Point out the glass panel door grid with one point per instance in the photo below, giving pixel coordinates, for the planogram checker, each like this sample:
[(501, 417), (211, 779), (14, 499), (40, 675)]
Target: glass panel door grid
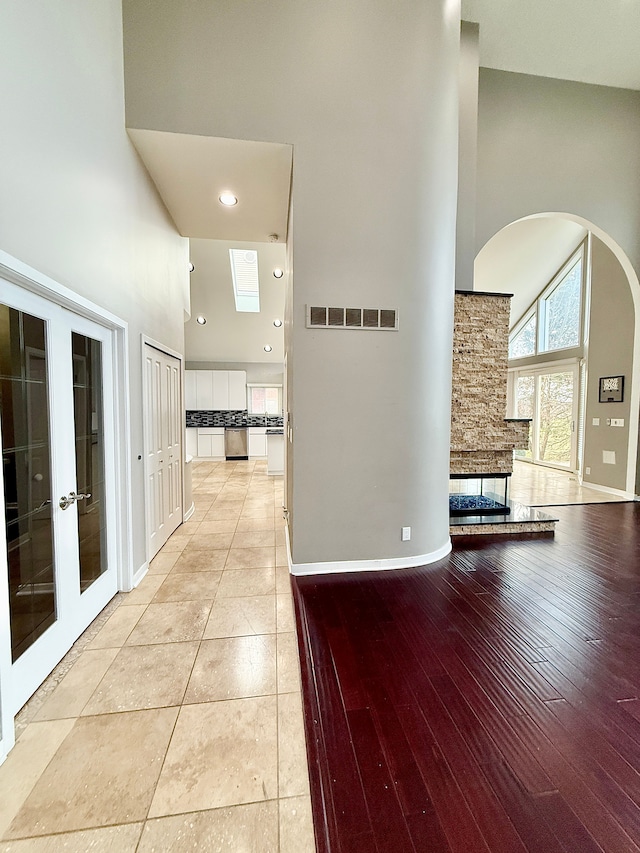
[(550, 398), (57, 426)]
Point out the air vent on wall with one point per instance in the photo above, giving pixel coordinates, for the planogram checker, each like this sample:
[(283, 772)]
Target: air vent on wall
[(352, 318)]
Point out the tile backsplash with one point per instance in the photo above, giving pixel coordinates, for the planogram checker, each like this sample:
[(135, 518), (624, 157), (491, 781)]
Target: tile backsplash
[(225, 418)]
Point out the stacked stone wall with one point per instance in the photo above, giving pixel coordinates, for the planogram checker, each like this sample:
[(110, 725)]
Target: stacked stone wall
[(482, 440)]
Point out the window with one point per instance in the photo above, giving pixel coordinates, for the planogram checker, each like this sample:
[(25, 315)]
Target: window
[(523, 342), (560, 311), (265, 399), (554, 321), (246, 286)]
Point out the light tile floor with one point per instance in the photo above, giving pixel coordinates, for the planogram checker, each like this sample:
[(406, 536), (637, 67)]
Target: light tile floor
[(536, 485), (176, 722)]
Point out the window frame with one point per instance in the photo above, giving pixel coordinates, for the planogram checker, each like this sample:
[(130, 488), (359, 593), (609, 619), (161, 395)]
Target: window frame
[(537, 308), (251, 385)]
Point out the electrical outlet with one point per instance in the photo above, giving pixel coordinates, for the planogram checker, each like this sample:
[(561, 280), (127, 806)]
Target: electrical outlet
[(587, 470), (406, 534), (609, 457)]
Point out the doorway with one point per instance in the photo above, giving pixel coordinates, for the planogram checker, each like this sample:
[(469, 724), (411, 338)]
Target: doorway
[(549, 397), (57, 422)]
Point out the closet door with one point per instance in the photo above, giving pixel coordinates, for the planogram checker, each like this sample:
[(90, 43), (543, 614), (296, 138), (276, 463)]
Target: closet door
[(163, 446)]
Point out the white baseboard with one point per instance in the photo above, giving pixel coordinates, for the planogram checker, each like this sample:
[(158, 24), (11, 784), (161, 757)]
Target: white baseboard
[(189, 512), (342, 566), (629, 496), (140, 573)]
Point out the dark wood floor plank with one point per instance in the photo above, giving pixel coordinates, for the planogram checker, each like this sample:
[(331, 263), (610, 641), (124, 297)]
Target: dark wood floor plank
[(480, 704)]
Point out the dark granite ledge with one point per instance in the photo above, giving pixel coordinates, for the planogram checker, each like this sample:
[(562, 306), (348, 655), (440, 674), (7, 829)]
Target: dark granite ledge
[(519, 515)]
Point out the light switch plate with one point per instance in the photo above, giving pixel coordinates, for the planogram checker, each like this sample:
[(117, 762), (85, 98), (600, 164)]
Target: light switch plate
[(609, 457), (406, 534), (617, 422), (595, 421)]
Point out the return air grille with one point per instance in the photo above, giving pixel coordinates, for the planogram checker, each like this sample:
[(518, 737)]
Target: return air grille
[(352, 318)]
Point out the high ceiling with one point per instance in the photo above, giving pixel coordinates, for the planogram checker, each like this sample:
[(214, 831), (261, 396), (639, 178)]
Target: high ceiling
[(591, 41), (523, 258)]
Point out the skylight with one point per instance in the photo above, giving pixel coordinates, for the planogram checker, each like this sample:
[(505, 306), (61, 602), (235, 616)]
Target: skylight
[(246, 287)]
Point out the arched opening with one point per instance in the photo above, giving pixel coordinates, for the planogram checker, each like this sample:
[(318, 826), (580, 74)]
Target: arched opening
[(531, 258)]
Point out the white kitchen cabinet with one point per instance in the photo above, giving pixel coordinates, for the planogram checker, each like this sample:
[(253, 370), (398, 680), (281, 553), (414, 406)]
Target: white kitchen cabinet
[(220, 379), (237, 389), (215, 390), (190, 390), (257, 442), (211, 442), (204, 389), (192, 441)]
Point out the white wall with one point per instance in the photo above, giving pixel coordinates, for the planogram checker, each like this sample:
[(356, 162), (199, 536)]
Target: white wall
[(611, 335), (76, 203), (367, 93), (555, 146), (467, 155)]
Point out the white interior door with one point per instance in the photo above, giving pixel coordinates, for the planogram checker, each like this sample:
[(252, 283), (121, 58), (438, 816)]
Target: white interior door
[(163, 445), (58, 566)]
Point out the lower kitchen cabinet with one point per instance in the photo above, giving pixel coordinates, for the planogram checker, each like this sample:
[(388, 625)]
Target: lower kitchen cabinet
[(257, 442), (211, 442)]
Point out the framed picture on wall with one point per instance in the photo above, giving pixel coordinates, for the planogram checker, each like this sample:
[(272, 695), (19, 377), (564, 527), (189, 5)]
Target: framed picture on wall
[(611, 389)]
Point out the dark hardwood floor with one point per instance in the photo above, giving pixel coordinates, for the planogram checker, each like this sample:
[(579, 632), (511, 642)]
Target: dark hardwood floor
[(488, 702)]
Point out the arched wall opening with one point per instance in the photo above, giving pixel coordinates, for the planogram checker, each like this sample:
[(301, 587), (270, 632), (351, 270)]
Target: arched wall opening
[(538, 245)]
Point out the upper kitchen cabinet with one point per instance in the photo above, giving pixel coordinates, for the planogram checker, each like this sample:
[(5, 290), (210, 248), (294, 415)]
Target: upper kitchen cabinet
[(215, 390), (237, 389)]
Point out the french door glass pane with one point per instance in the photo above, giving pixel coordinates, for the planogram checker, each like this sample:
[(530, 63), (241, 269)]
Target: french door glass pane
[(525, 398), (89, 444), (555, 417), (24, 413)]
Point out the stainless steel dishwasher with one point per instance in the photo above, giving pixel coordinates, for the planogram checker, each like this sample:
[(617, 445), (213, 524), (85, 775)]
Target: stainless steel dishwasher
[(235, 443)]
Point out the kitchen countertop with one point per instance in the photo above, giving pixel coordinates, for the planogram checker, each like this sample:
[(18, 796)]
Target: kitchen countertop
[(275, 432)]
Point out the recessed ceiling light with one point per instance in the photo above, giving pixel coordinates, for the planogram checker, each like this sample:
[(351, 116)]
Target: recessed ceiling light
[(278, 273), (277, 323), (228, 199), (201, 320), (191, 267), (268, 348)]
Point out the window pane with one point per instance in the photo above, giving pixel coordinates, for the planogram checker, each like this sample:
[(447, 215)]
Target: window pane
[(89, 440), (556, 414), (524, 342), (264, 401), (24, 411), (562, 312)]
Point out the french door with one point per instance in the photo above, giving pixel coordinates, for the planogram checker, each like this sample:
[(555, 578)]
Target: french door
[(58, 569), (550, 398), (164, 427)]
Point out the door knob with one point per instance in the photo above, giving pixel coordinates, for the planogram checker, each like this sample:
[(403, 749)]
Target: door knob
[(65, 501)]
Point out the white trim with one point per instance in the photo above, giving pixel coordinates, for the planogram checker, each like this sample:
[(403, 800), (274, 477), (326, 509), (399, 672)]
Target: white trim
[(189, 512), (140, 573), (342, 566), (629, 496)]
